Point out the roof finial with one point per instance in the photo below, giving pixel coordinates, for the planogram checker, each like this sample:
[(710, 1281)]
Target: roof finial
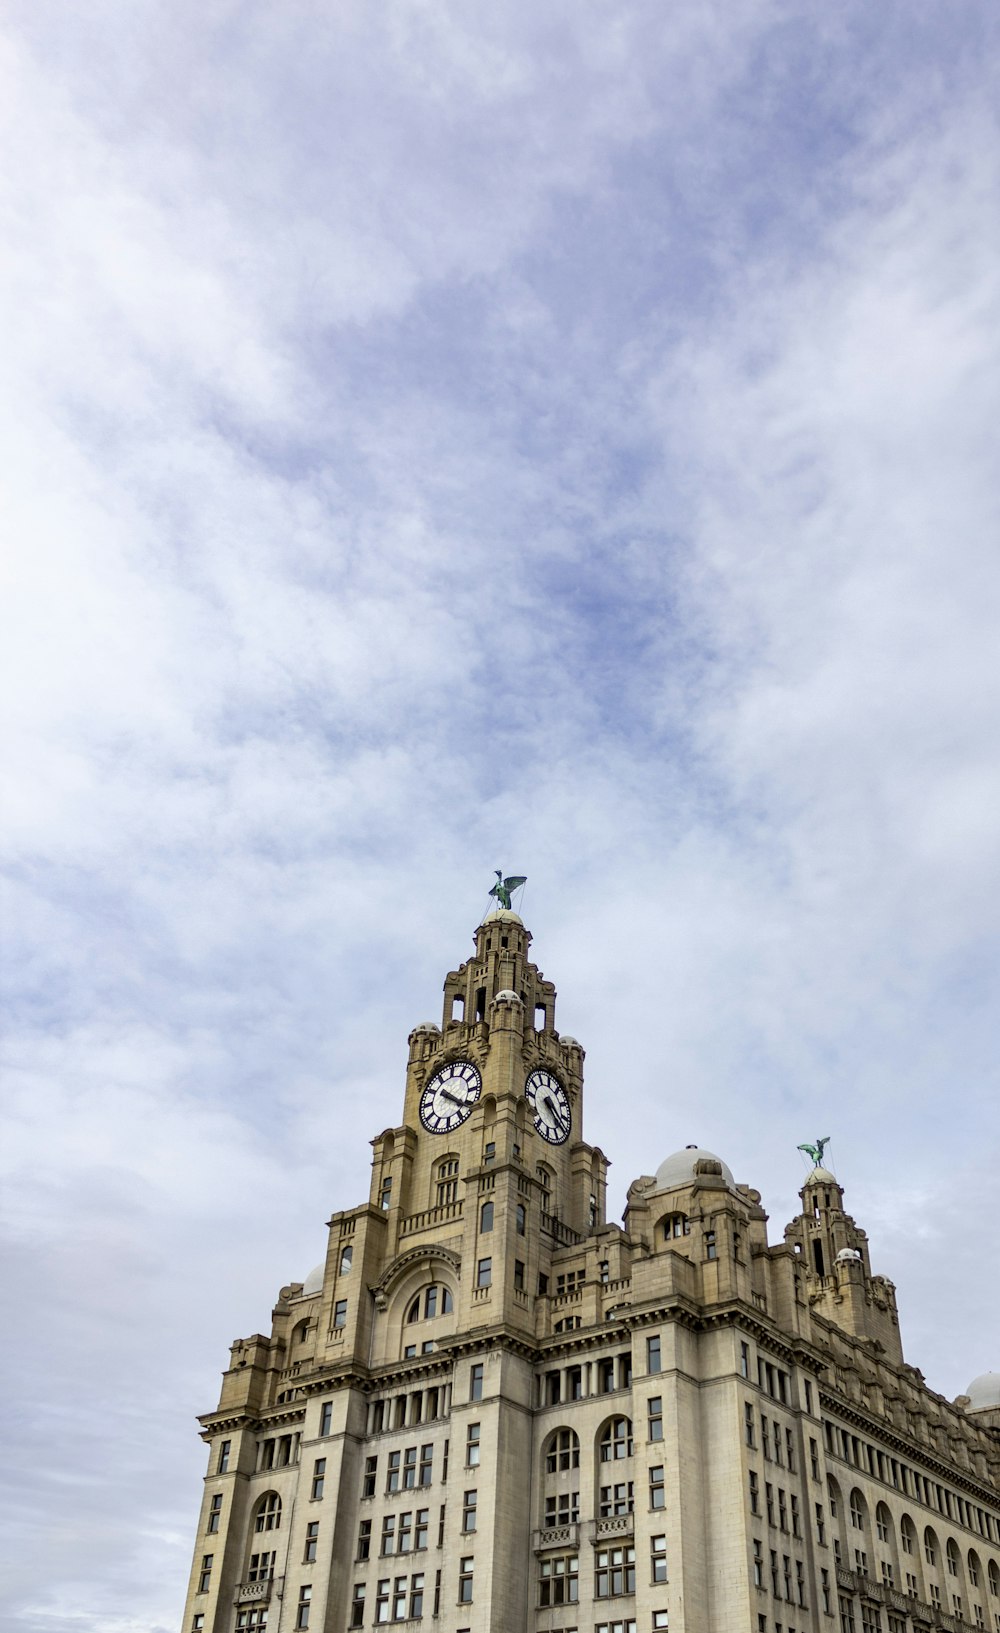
[(815, 1151), (503, 887)]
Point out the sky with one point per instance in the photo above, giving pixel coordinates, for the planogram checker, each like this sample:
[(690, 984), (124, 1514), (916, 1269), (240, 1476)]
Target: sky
[(446, 437)]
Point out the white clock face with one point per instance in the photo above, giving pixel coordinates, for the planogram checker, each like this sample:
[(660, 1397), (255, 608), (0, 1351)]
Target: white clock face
[(550, 1104), (449, 1097)]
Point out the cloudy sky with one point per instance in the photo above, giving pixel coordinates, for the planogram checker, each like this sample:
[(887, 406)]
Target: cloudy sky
[(445, 437)]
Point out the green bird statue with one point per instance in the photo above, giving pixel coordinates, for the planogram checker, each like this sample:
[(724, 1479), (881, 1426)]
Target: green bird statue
[(503, 887), (815, 1151)]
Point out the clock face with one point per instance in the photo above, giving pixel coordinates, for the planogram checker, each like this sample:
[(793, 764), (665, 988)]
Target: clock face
[(550, 1104), (449, 1097)]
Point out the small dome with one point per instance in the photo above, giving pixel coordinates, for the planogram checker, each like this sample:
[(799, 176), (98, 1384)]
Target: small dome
[(821, 1176), (683, 1166), (314, 1281), (506, 915), (426, 1026), (848, 1253), (571, 1043), (984, 1393), (507, 997)]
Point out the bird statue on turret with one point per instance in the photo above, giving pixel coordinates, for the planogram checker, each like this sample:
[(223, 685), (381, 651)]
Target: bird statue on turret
[(815, 1151), (503, 887)]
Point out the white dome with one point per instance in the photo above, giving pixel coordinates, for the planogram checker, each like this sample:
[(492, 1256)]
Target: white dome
[(314, 1281), (505, 914), (821, 1176), (427, 1026), (679, 1169), (571, 1043), (984, 1392), (849, 1253), (507, 997)]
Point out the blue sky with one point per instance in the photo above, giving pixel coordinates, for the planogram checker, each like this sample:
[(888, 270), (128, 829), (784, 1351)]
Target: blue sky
[(442, 438)]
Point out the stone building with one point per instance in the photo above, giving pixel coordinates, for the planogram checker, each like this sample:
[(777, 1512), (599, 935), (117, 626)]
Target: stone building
[(490, 1409)]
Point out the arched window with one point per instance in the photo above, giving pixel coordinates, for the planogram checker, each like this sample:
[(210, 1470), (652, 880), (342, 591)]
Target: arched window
[(446, 1175), (346, 1259), (676, 1224), (952, 1556), (883, 1523), (930, 1546), (975, 1569), (833, 1492), (908, 1535), (432, 1301), (520, 1218), (857, 1510), (616, 1440), (544, 1176), (562, 1451), (300, 1333), (267, 1515), (994, 1576), (486, 1218)]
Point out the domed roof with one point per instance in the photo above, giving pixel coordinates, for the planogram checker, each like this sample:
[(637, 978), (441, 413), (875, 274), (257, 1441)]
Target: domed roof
[(505, 914), (507, 997), (314, 1281), (821, 1176), (984, 1392), (426, 1026), (679, 1169)]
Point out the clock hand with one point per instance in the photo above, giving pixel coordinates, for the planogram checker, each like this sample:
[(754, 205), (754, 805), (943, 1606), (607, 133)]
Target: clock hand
[(446, 1094)]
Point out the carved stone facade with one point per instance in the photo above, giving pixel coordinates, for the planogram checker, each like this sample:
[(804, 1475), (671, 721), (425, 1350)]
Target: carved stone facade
[(489, 1409)]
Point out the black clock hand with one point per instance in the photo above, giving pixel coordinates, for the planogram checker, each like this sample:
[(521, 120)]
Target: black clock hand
[(447, 1095)]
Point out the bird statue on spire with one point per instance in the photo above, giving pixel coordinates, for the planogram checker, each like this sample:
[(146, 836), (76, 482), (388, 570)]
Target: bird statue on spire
[(815, 1151), (503, 887)]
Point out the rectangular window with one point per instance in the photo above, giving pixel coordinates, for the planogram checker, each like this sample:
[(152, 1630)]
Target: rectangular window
[(426, 1473), (319, 1477), (614, 1573), (214, 1512), (358, 1605), (769, 1501), (382, 1600), (660, 1619), (814, 1459), (312, 1542), (658, 1559), (326, 1418), (559, 1580), (388, 1543), (616, 1499), (472, 1446), (465, 1575), (302, 1609), (790, 1449), (416, 1596), (745, 1360), (758, 1564), (340, 1313), (370, 1476), (824, 1578), (655, 1417), (820, 1526), (748, 1423), (710, 1250), (476, 1382), (800, 1582), (385, 1196), (657, 1493), (224, 1451), (519, 1275), (754, 1494), (765, 1437), (469, 1511), (653, 1360), (563, 1508), (809, 1396), (484, 1272), (205, 1575)]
